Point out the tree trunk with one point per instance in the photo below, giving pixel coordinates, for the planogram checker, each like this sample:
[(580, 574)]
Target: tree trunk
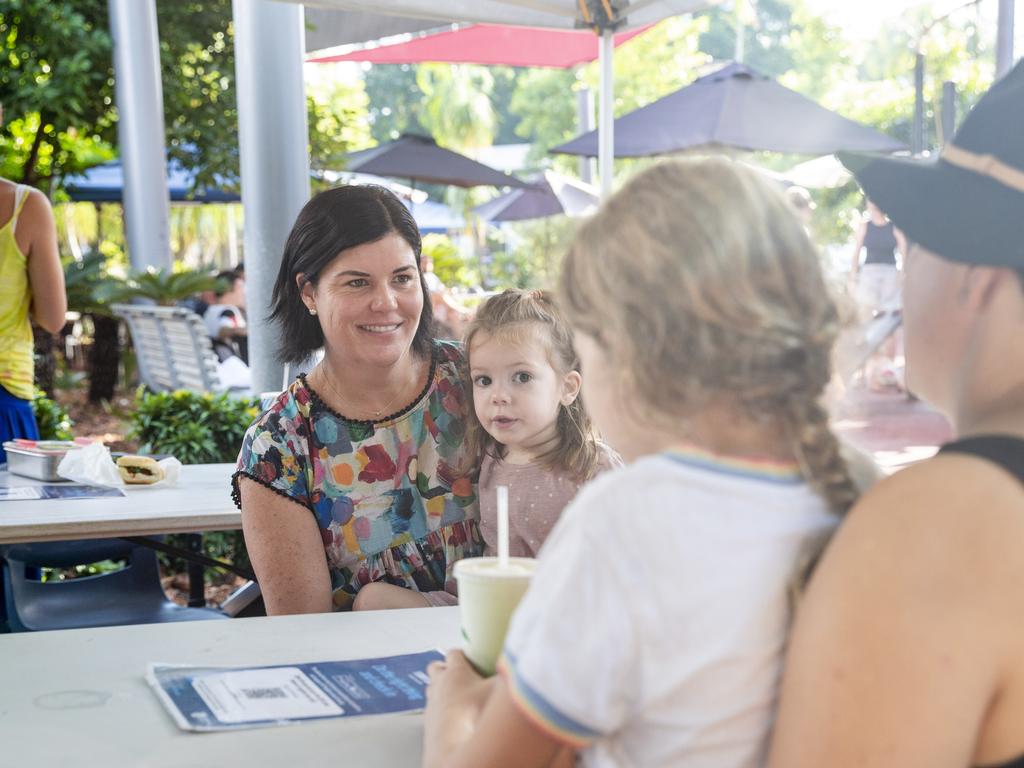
[(104, 358), (29, 174), (45, 360)]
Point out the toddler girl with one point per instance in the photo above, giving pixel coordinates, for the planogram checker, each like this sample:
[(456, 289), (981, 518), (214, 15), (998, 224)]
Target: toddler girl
[(530, 428), (653, 631)]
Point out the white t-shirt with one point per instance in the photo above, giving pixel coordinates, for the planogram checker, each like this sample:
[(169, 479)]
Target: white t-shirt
[(218, 316), (654, 629)]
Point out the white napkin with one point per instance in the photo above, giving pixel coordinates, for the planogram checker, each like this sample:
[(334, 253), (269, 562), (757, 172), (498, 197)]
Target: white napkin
[(93, 465)]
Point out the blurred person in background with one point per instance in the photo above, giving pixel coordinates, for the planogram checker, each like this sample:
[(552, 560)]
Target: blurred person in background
[(876, 285), (31, 290)]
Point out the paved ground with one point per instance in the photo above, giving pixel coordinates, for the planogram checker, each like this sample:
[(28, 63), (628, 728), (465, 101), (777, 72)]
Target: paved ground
[(894, 428)]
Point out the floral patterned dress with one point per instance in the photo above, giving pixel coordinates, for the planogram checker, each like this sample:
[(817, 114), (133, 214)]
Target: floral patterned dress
[(394, 499)]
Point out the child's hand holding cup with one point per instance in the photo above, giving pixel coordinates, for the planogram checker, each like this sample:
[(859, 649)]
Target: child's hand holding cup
[(490, 588)]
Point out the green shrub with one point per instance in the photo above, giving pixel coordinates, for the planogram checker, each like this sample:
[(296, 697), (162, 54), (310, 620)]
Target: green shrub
[(52, 418), (195, 428)]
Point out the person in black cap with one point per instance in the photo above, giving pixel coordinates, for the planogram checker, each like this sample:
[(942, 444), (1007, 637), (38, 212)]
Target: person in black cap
[(908, 648)]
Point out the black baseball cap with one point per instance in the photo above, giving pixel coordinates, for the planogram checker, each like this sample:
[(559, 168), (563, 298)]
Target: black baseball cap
[(968, 205)]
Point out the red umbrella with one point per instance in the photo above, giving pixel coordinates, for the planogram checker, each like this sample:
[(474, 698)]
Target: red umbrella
[(492, 45)]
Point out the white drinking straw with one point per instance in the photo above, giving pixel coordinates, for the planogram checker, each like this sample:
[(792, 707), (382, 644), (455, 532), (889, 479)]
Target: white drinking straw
[(503, 526)]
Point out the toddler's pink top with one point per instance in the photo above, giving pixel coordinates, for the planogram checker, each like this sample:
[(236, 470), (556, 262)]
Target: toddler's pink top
[(536, 498)]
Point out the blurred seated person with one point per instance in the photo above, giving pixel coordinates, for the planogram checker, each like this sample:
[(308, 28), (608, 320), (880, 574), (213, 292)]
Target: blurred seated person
[(450, 316), (225, 317)]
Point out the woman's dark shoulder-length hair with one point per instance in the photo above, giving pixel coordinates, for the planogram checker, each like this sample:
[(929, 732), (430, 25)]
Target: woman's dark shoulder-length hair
[(333, 221)]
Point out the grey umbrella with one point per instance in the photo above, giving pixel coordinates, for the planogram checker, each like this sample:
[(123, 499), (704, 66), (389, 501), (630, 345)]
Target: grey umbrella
[(549, 195), (419, 158), (739, 107)]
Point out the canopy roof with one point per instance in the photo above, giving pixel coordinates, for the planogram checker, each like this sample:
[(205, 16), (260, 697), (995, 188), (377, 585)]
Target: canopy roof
[(735, 106), (556, 14), (488, 44), (105, 184)]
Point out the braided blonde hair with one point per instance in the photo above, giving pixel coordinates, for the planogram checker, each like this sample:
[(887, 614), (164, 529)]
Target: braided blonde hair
[(700, 283)]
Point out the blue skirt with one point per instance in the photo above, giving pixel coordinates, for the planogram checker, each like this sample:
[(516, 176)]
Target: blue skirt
[(16, 420)]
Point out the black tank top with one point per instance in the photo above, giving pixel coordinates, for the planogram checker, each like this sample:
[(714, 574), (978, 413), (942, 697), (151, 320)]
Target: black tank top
[(1008, 453), (880, 242)]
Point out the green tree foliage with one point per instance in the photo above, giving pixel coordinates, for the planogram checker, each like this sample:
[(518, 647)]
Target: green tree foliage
[(457, 109), (395, 101), (337, 124), (56, 88), (449, 265), (197, 61)]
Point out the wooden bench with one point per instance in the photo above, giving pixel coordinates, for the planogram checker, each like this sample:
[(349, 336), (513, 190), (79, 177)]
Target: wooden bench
[(172, 348)]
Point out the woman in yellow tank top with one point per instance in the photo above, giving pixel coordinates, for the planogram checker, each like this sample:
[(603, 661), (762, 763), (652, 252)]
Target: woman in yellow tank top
[(31, 288)]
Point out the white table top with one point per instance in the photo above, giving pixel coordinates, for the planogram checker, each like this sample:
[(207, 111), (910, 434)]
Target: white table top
[(79, 698), (201, 501)]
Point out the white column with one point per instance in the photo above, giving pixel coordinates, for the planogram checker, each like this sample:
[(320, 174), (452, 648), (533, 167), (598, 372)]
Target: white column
[(140, 131), (272, 138), (1004, 38), (606, 115)]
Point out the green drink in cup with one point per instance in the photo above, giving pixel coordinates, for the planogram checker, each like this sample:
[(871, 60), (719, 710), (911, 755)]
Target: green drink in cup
[(490, 588), (488, 595)]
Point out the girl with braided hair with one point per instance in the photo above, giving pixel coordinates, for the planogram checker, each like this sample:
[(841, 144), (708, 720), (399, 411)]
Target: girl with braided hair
[(654, 629)]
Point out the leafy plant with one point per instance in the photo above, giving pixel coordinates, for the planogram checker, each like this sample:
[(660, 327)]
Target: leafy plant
[(52, 418), (89, 288), (448, 262), (169, 287), (195, 428)]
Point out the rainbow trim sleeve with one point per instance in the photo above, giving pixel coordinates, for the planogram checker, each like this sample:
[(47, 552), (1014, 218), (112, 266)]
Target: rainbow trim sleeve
[(540, 712)]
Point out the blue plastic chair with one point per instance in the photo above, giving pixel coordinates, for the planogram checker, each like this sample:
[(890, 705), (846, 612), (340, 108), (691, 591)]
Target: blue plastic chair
[(132, 595)]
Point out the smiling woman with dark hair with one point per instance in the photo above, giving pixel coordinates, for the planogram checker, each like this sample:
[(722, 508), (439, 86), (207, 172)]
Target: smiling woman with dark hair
[(370, 442)]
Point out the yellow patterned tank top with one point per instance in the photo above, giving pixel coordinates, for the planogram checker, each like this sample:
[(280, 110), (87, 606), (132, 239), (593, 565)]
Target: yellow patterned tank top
[(16, 348)]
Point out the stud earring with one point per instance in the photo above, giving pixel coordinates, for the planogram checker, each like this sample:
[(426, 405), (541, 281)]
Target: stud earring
[(312, 310)]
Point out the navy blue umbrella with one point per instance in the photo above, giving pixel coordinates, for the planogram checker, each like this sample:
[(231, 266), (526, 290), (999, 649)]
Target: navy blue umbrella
[(550, 195), (419, 158), (105, 184), (739, 107)]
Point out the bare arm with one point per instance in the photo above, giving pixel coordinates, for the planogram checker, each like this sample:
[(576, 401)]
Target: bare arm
[(902, 641), (858, 246), (471, 721), (37, 237), (286, 551)]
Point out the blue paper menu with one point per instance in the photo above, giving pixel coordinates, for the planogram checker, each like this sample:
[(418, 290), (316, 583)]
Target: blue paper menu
[(66, 491), (225, 698)]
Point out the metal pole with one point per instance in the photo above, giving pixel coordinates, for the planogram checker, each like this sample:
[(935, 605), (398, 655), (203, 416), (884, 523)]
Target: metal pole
[(585, 124), (917, 129), (1004, 38), (272, 138), (140, 131), (948, 111), (606, 115), (740, 32)]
